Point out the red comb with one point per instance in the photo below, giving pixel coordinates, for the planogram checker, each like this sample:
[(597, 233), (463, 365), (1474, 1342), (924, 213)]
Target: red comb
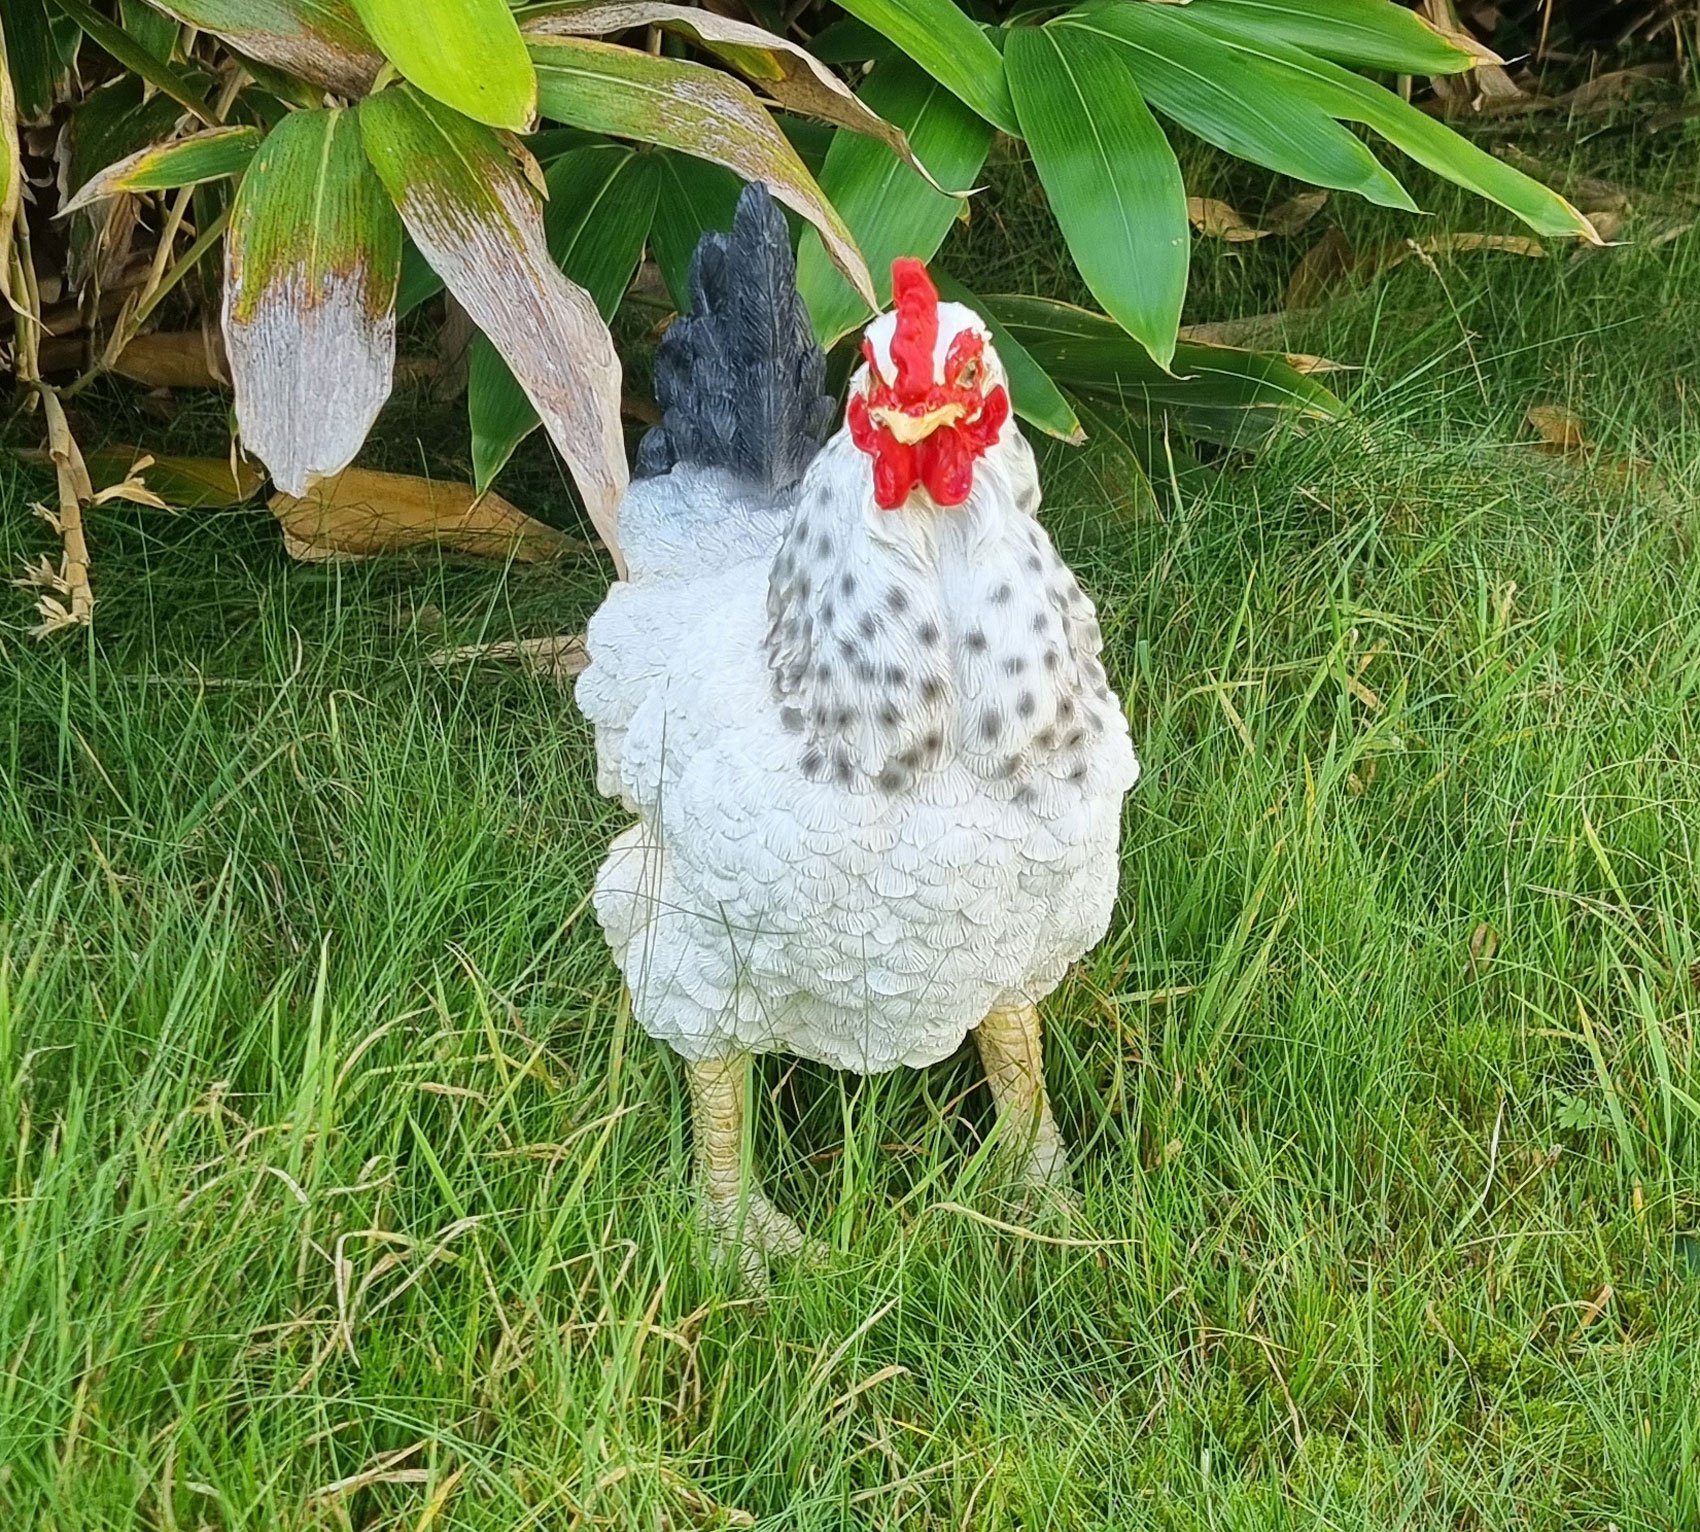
[(917, 333)]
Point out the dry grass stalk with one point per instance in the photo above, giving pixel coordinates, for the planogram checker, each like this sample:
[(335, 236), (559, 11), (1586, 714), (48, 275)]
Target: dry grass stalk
[(67, 598), (557, 659)]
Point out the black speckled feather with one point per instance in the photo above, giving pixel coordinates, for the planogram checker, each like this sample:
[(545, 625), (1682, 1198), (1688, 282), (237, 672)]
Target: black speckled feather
[(740, 380)]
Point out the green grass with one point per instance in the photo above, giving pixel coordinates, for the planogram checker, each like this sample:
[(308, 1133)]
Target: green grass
[(327, 1148)]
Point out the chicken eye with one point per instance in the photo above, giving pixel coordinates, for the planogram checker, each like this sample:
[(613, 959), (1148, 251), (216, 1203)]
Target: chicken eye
[(970, 374)]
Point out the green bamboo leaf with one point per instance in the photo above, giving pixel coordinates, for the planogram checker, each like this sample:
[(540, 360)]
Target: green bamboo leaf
[(889, 208), (1111, 177), (548, 144), (811, 140), (319, 40), (472, 212), (11, 165), (950, 47), (209, 208), (685, 106), (695, 197), (111, 122), (1191, 76), (1090, 352), (849, 41), (33, 62), (67, 38), (419, 281), (1032, 393), (153, 29), (134, 57), (114, 121), (467, 54), (1143, 453), (1429, 142), (209, 156), (601, 203), (1375, 34), (278, 92), (779, 68), (311, 260)]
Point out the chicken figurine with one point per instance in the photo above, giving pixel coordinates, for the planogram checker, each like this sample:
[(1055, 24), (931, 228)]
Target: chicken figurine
[(855, 700)]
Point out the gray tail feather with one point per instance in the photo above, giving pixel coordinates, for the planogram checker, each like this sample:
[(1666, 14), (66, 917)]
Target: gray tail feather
[(740, 380)]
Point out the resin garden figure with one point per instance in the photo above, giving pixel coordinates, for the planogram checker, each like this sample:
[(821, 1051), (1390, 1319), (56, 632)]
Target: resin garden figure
[(855, 700)]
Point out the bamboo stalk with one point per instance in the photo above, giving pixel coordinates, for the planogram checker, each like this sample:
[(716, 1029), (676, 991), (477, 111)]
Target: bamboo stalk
[(72, 603)]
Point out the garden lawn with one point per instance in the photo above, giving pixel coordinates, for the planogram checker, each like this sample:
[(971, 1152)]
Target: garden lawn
[(337, 1188)]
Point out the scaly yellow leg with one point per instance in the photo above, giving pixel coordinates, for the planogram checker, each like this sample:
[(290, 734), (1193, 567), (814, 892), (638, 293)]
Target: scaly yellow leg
[(743, 1225), (1012, 1051)]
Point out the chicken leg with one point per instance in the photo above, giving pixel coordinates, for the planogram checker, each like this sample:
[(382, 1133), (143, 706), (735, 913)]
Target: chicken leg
[(1012, 1051), (744, 1226)]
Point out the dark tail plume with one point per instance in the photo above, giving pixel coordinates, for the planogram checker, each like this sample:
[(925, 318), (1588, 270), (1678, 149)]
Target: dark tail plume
[(740, 380)]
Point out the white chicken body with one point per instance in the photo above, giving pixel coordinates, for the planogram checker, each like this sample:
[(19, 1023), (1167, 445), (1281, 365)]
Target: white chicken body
[(877, 767)]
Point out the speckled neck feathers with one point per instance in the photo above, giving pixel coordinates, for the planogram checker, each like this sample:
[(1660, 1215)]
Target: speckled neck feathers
[(900, 640)]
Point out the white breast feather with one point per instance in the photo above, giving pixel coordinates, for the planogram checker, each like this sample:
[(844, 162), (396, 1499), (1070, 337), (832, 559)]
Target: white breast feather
[(875, 761)]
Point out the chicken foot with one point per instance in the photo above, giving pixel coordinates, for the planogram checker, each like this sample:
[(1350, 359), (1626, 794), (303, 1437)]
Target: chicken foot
[(743, 1225), (1012, 1050)]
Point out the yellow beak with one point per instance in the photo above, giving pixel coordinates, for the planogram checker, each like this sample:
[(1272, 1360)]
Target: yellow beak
[(910, 429)]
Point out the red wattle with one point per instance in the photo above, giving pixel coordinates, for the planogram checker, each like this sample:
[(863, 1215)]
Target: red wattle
[(863, 431), (993, 413), (947, 466), (894, 472), (894, 464)]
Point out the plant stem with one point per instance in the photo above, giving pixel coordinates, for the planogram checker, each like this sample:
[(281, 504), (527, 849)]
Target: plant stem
[(75, 491), (131, 327)]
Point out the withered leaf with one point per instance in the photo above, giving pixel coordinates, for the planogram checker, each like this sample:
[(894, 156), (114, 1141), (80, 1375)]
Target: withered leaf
[(186, 483), (1220, 220), (360, 513), (174, 359), (556, 659), (1560, 429)]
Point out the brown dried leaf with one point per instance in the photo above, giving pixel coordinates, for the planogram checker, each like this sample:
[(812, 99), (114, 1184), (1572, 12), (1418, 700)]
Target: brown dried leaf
[(1560, 429), (1331, 264), (1386, 257), (1309, 363), (174, 359), (1671, 232), (1593, 1308), (1217, 219), (70, 599), (360, 513), (556, 659), (1563, 436), (1442, 16), (1220, 220), (1589, 194), (382, 1470), (1253, 330), (186, 483), (1608, 224), (1614, 86), (1487, 87), (1292, 215), (1484, 943), (130, 489), (1324, 268)]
